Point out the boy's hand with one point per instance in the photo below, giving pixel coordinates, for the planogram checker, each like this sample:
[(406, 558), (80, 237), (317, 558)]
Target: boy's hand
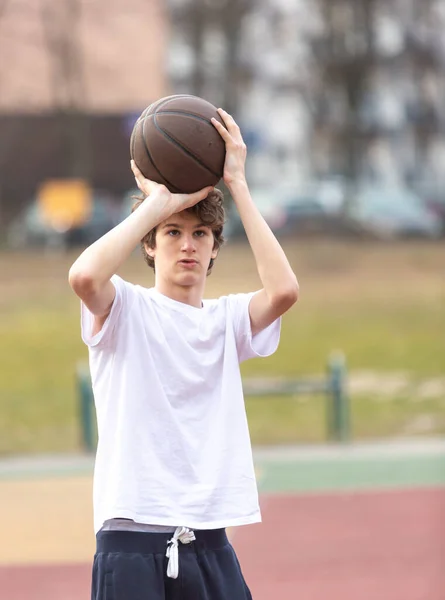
[(236, 151), (176, 202)]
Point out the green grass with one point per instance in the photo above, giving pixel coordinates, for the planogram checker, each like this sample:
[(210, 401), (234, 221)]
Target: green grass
[(37, 386), (303, 418), (382, 306), (379, 337)]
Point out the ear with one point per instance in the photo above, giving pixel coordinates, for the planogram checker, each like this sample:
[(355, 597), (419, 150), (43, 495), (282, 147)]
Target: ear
[(214, 253), (149, 250)]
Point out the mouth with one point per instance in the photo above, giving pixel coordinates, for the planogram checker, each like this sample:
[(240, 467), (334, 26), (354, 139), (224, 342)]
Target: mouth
[(188, 262)]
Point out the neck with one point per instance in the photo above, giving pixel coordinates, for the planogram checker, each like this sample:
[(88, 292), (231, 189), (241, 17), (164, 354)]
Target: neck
[(191, 295)]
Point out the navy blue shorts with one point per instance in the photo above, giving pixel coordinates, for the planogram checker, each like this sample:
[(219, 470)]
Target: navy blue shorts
[(132, 565)]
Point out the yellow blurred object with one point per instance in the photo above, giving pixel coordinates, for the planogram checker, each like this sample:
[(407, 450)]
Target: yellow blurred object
[(65, 203)]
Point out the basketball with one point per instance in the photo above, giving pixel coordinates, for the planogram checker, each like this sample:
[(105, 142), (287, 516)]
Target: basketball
[(174, 143)]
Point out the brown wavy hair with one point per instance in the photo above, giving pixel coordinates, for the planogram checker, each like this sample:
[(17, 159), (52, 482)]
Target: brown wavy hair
[(209, 211)]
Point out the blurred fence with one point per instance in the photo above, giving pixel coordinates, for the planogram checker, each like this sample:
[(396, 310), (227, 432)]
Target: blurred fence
[(333, 386)]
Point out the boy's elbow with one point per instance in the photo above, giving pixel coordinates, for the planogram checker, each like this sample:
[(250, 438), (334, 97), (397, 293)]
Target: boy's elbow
[(288, 295), (292, 293), (80, 282)]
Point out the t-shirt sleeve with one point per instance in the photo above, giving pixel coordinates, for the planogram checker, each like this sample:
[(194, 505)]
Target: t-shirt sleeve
[(105, 335), (261, 344)]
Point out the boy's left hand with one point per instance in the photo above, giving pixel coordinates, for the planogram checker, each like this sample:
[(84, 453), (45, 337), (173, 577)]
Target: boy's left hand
[(236, 151)]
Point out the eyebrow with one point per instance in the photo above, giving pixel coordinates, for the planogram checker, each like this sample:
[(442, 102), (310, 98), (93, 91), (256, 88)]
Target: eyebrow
[(180, 226)]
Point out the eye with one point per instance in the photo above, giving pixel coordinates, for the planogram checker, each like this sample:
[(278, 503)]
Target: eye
[(200, 233), (173, 232)]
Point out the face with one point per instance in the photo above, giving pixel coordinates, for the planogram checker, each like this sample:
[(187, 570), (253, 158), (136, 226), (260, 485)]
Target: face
[(184, 248)]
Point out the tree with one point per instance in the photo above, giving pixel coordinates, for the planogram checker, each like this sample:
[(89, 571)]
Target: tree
[(61, 22), (198, 18), (349, 54), (345, 57)]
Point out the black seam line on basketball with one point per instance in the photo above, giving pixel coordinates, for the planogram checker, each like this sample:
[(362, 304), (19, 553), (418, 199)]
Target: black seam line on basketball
[(185, 150), (141, 121), (153, 163), (132, 141), (176, 143), (150, 156), (178, 113), (161, 103)]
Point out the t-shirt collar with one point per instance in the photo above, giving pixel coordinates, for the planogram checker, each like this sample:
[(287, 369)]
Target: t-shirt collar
[(175, 304)]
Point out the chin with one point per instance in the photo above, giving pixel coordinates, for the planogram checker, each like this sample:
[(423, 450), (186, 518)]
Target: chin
[(187, 279)]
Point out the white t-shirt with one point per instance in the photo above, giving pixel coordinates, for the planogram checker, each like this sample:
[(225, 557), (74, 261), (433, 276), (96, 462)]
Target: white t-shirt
[(174, 446)]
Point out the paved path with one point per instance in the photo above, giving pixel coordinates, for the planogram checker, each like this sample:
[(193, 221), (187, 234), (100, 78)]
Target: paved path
[(398, 463)]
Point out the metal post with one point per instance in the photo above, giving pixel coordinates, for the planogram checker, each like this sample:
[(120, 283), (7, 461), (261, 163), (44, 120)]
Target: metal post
[(86, 407), (339, 421)]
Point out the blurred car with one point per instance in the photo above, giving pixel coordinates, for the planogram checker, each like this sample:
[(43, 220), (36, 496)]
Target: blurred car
[(33, 230), (433, 197), (392, 212), (290, 208), (313, 206), (269, 205), (104, 216)]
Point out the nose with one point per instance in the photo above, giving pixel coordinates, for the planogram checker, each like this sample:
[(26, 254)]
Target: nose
[(188, 244)]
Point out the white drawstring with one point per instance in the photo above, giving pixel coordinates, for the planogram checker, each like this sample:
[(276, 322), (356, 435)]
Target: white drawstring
[(183, 535)]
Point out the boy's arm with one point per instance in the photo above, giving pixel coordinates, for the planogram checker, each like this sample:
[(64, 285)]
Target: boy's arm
[(90, 274), (280, 286)]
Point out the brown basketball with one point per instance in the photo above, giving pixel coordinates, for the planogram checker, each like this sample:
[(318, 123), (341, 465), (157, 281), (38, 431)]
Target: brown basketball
[(174, 142)]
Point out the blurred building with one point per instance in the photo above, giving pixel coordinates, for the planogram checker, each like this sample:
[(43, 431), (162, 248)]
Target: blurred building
[(345, 88), (74, 75), (253, 57), (102, 56), (380, 107)]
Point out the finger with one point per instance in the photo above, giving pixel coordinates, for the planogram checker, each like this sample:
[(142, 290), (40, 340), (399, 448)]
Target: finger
[(222, 130), (228, 120), (231, 125), (198, 196), (137, 174), (149, 185), (145, 185), (135, 169)]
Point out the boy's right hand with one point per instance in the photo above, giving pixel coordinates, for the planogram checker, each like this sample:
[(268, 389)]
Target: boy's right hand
[(175, 202)]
